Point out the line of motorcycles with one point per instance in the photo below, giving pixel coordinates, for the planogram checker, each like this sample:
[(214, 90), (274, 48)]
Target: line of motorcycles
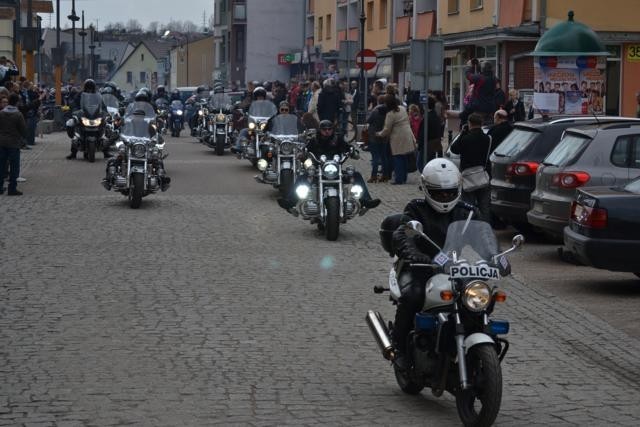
[(214, 121)]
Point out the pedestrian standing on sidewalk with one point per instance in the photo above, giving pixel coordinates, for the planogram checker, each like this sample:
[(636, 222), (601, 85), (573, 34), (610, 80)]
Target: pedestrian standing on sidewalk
[(13, 130), (29, 108), (8, 69), (401, 139), (378, 147)]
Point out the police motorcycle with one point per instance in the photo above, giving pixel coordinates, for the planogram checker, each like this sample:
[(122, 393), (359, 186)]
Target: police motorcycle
[(326, 193), (113, 119), (455, 345), (138, 168), (256, 146), (220, 131), (162, 115), (281, 165), (176, 117), (86, 127)]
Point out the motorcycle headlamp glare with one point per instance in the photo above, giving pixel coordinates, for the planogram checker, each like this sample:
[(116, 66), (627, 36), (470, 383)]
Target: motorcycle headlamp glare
[(302, 191), (262, 165), (330, 171), (356, 190), (200, 113), (179, 112), (263, 125), (308, 163), (89, 122), (252, 125), (221, 117), (477, 296), (139, 150)]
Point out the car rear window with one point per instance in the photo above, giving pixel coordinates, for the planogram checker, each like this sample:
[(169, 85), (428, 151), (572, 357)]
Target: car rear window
[(515, 142), (567, 150)]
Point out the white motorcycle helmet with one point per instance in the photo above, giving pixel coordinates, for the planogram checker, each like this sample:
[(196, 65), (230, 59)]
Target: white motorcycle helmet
[(442, 184)]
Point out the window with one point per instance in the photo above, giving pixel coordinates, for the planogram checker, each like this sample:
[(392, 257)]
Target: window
[(383, 13), (370, 16), (240, 46), (568, 151), (142, 57), (328, 27), (320, 27), (620, 152), (129, 77), (143, 77), (475, 4), (453, 7), (239, 12), (635, 153)]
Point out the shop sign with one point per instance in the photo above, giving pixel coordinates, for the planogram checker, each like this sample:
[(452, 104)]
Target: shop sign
[(633, 53)]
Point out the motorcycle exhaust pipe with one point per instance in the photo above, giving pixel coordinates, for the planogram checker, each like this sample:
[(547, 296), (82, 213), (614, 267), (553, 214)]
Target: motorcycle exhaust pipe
[(381, 334)]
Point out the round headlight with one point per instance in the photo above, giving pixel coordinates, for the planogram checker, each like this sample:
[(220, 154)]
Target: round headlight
[(262, 165), (200, 112), (302, 191), (286, 148), (221, 117), (179, 112), (263, 125), (139, 150), (330, 171), (477, 296), (356, 190), (252, 125)]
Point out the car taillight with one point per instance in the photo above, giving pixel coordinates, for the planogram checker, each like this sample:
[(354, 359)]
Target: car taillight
[(570, 179), (522, 168), (588, 217)]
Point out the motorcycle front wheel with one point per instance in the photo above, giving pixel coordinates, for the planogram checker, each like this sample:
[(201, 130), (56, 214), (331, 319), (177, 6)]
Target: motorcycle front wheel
[(479, 405), (137, 190), (91, 152), (220, 145), (286, 182), (332, 227)]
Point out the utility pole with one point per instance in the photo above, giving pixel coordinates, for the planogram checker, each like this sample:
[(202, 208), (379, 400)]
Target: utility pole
[(74, 18), (83, 35), (362, 91), (58, 58), (18, 37), (29, 55)]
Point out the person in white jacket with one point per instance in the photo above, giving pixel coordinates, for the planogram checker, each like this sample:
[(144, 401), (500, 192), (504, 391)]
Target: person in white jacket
[(313, 104)]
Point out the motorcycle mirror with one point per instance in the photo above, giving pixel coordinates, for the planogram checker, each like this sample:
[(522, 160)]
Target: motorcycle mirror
[(416, 226), (517, 241)]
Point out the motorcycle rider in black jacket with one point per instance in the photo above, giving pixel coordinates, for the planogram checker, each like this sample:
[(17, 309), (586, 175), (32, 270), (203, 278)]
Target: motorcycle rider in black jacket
[(329, 144), (89, 86), (441, 182)]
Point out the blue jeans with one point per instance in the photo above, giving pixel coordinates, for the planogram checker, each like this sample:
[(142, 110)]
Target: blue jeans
[(10, 157), (380, 157), (400, 168)]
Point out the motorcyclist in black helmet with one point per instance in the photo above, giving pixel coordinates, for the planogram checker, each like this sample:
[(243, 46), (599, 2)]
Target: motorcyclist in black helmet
[(89, 86), (259, 94), (441, 182), (327, 143), (198, 96), (175, 96)]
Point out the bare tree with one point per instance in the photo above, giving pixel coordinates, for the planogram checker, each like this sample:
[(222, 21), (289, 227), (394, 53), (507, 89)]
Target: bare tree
[(189, 27), (153, 27), (133, 26)]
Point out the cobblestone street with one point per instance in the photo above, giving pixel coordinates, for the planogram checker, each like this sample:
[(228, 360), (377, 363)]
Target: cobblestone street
[(210, 305)]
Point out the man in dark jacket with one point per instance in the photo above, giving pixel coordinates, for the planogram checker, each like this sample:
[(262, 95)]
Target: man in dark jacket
[(473, 148), (13, 130), (329, 101), (379, 147), (500, 130), (434, 135)]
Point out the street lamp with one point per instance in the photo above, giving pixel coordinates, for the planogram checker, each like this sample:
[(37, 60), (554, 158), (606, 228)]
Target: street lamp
[(168, 35), (362, 105), (73, 18)]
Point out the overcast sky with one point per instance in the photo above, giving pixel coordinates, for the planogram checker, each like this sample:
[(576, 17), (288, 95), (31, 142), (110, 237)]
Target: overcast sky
[(145, 11)]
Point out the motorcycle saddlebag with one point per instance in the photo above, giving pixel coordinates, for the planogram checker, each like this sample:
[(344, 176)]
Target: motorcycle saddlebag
[(387, 227)]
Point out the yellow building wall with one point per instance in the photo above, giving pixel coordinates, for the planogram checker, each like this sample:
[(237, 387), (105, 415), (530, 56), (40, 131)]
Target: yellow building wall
[(465, 19), (322, 9), (614, 15), (377, 38)]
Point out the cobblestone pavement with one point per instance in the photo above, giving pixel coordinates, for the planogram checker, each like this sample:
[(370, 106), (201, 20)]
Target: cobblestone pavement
[(210, 306)]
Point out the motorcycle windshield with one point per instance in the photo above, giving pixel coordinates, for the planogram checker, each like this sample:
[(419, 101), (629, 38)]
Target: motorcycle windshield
[(176, 105), (111, 102), (162, 103), (262, 110), (91, 104), (141, 107), (284, 126), (139, 117), (220, 101), (475, 242)]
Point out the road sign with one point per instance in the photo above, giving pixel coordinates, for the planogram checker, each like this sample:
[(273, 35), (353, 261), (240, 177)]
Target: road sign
[(366, 59)]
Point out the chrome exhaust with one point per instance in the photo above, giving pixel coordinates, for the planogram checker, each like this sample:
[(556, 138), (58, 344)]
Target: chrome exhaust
[(381, 334)]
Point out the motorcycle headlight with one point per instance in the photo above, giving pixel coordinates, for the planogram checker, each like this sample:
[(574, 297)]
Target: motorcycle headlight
[(308, 163), (179, 112), (221, 117), (89, 122), (200, 112), (286, 148), (477, 296), (356, 190), (330, 171), (139, 150), (263, 125), (252, 126), (262, 165), (302, 191)]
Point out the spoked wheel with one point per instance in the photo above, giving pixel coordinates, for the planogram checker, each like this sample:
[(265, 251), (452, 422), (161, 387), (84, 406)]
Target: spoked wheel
[(137, 190), (332, 228), (479, 405)]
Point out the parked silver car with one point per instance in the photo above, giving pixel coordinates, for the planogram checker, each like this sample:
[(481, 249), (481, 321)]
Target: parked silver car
[(593, 155)]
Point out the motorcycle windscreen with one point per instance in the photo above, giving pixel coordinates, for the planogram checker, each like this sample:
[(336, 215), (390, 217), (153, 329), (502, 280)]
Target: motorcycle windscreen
[(177, 105), (111, 102), (262, 110), (475, 242), (284, 125), (162, 103), (220, 101), (142, 108), (91, 104), (136, 126)]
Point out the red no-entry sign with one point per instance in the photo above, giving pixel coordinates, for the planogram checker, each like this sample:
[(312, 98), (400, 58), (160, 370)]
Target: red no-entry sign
[(366, 59)]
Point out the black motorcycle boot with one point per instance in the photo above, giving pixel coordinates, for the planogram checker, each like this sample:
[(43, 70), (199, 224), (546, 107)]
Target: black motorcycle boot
[(165, 182), (401, 328), (72, 155)]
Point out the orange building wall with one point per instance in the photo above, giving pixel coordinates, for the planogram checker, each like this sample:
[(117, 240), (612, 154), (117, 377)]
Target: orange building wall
[(617, 15), (630, 84)]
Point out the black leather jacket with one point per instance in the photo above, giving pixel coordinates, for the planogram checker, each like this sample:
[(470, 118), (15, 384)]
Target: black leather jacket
[(435, 226), (328, 146)]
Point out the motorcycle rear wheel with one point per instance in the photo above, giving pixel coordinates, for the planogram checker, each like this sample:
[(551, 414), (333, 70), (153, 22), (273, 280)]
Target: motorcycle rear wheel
[(405, 382), (332, 227), (137, 190), (485, 377), (91, 152)]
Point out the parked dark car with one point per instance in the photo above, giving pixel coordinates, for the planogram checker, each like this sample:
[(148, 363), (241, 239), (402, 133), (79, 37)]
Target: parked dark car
[(604, 231), (594, 155), (516, 160)]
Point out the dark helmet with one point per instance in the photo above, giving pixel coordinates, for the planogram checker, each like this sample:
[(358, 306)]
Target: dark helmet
[(259, 92), (161, 89), (89, 86), (107, 90), (326, 124), (200, 90), (143, 95)]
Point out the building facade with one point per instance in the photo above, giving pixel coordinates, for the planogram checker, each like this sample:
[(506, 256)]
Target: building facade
[(191, 64), (138, 70)]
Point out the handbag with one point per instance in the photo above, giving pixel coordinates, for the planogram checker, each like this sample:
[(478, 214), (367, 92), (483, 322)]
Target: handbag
[(476, 177)]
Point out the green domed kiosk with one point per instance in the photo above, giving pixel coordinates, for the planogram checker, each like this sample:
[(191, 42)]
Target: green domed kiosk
[(570, 38)]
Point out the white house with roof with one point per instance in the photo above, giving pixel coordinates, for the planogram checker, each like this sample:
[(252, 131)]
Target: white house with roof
[(139, 69)]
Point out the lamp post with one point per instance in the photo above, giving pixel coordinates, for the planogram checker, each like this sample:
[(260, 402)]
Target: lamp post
[(83, 35), (92, 48), (362, 91), (58, 57), (73, 18)]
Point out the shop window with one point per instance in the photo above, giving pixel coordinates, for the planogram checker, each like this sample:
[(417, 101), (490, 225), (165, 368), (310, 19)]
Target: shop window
[(453, 7), (320, 28), (475, 4), (383, 13), (370, 16), (328, 27)]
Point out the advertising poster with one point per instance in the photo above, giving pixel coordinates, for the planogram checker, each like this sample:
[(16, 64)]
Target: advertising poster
[(569, 84)]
